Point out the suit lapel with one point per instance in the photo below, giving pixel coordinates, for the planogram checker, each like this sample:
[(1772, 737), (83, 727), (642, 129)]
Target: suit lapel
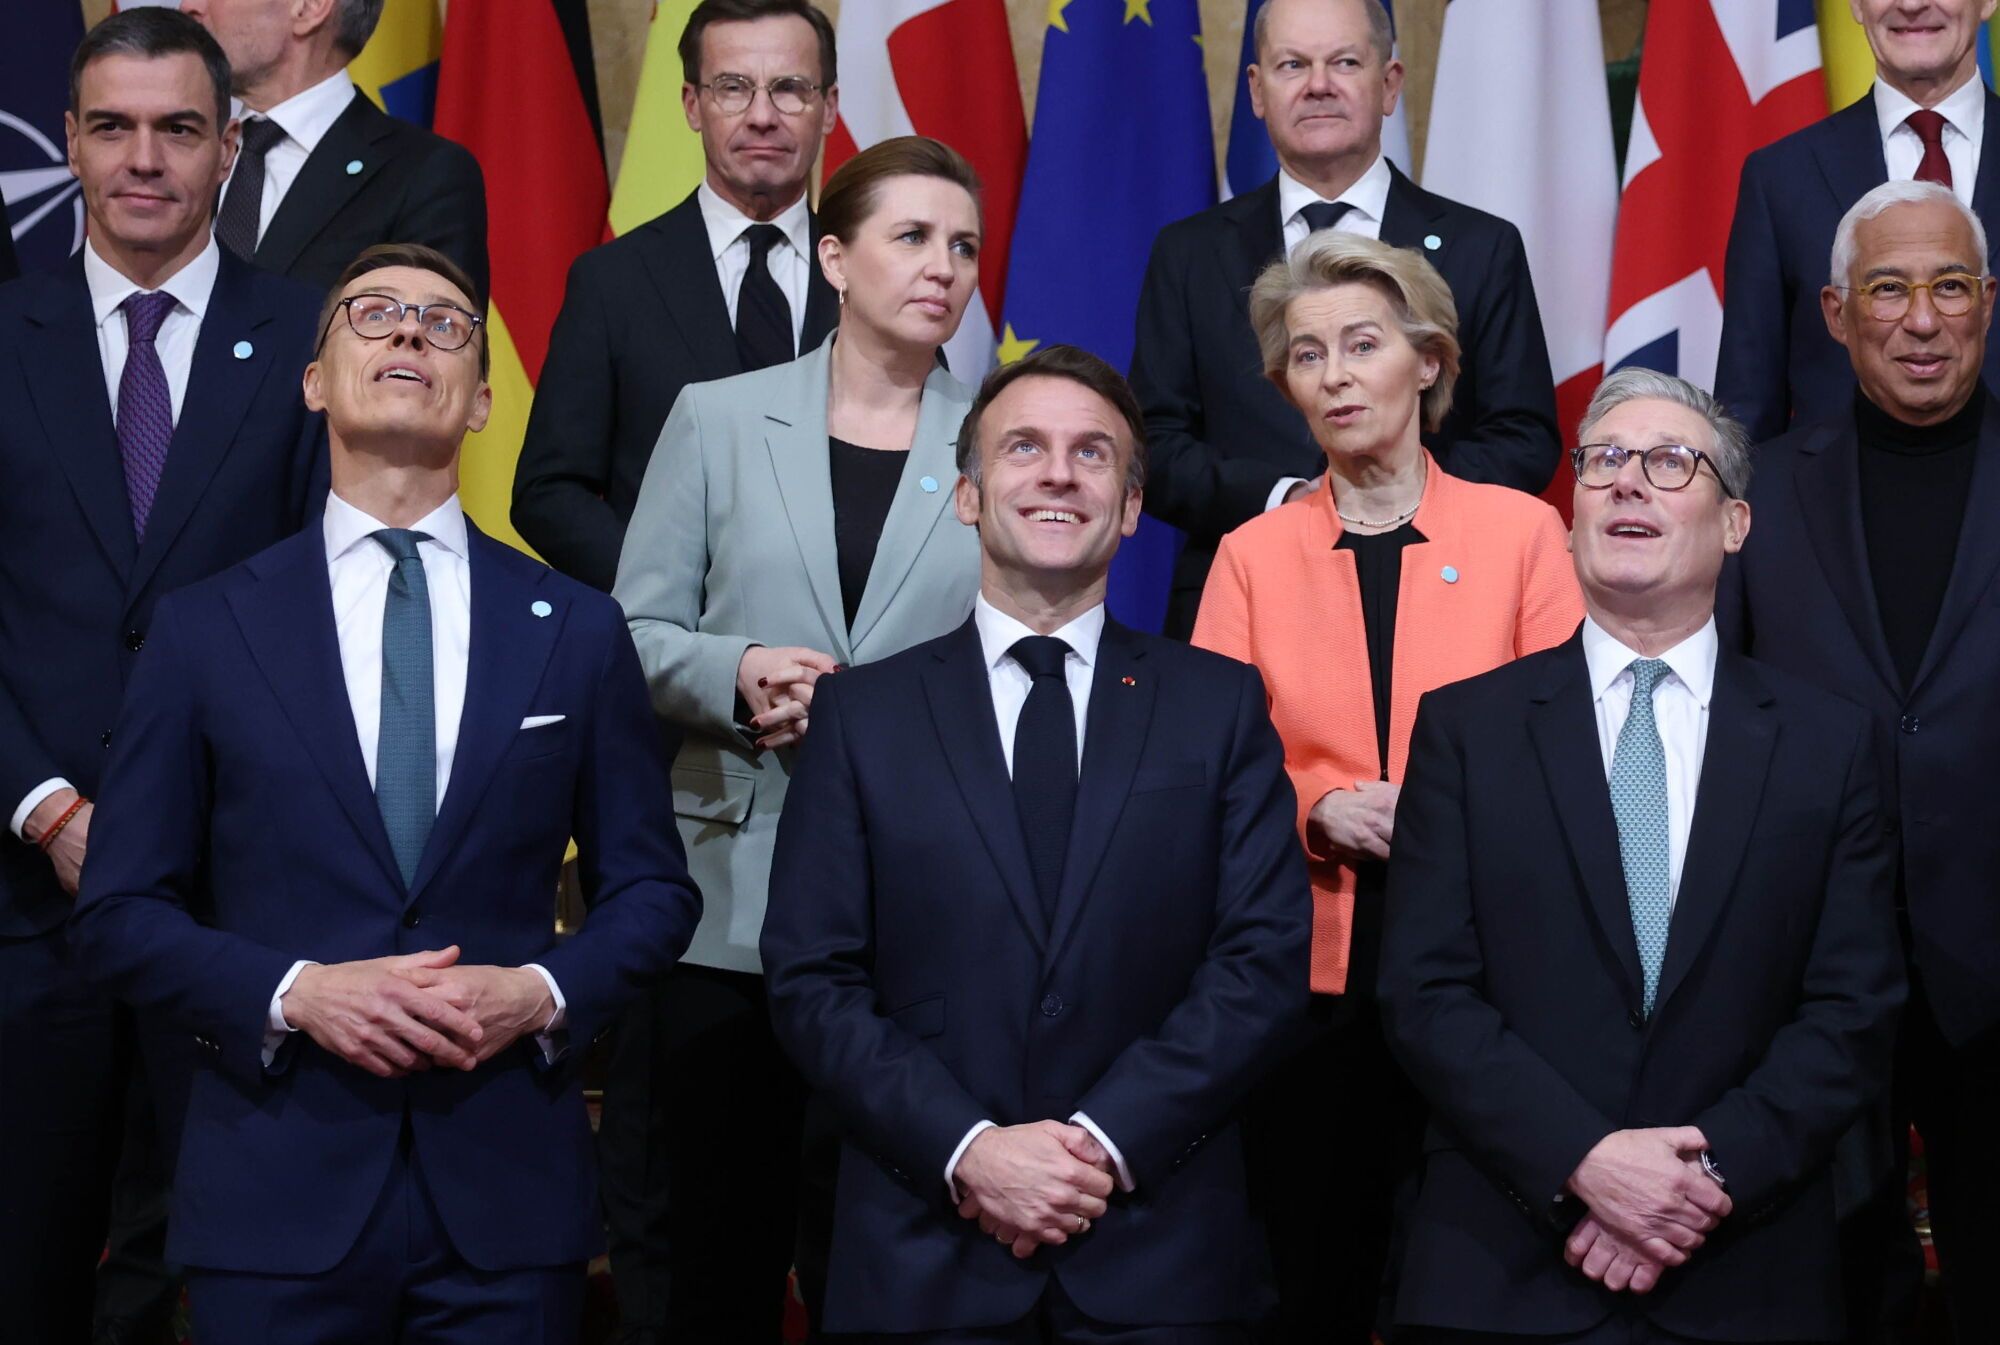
[(287, 620), (66, 382), (1828, 481), (683, 271), (1850, 159), (1978, 555), (913, 513), (324, 184), (795, 434), (1260, 238), (1986, 179), (1114, 737), (1408, 217), (961, 701), (1564, 729), (1741, 734)]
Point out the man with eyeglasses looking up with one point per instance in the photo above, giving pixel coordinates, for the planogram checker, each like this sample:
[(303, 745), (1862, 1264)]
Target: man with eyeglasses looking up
[(1872, 574), (1639, 952)]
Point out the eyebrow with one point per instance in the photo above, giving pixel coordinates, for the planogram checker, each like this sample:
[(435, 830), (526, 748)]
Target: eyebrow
[(1898, 273), (915, 223), (426, 301), (186, 114)]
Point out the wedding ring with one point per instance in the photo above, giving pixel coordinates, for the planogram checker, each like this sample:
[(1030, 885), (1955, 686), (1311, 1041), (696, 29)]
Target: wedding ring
[(1082, 1224)]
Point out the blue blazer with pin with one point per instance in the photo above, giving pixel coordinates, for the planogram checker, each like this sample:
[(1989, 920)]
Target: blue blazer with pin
[(238, 770)]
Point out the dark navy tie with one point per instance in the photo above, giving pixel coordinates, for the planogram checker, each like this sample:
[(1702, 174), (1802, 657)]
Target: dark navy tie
[(1324, 214), (1045, 763), (763, 317), (243, 203), (145, 406), (406, 744)]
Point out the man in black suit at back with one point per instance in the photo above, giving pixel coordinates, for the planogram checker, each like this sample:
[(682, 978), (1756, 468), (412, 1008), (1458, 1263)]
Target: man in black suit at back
[(323, 172), (1226, 446)]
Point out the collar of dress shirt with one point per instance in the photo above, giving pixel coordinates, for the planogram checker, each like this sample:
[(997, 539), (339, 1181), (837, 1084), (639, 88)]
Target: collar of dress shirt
[(110, 287), (1692, 660), (1960, 109), (309, 114), (1368, 193), (348, 527), (725, 223), (998, 632)]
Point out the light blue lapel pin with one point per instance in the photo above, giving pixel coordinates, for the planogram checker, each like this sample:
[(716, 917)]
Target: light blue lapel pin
[(929, 484), (243, 350), (353, 167), (1449, 574), (540, 608), (1431, 241)]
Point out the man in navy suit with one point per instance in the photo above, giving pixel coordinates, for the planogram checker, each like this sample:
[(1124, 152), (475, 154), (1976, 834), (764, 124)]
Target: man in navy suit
[(1037, 921), (153, 435), (1225, 444), (1640, 954), (1928, 118), (368, 747)]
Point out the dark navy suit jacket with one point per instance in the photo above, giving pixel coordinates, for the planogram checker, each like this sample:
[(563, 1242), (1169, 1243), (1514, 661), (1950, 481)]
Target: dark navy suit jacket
[(238, 769), (917, 984), (1511, 992), (246, 467)]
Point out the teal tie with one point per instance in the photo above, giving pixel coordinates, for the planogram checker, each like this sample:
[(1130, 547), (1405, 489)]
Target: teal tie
[(406, 745), (1639, 802)]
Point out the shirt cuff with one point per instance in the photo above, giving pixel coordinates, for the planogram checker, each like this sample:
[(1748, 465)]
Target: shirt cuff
[(1282, 489), (54, 784), (1125, 1182), (276, 1029), (552, 1045), (951, 1164)]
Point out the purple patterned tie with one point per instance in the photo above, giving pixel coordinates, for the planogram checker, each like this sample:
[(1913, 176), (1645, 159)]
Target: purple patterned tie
[(145, 407)]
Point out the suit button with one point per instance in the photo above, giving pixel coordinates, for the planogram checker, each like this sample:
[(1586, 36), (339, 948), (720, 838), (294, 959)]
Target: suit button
[(134, 641), (1635, 1019), (1051, 1005), (104, 738), (411, 919), (1909, 723)]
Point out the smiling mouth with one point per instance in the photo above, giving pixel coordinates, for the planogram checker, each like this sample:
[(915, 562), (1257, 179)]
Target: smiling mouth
[(1640, 530), (1053, 516)]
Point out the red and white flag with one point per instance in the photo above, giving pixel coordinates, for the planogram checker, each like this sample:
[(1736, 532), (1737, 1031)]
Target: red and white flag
[(945, 69)]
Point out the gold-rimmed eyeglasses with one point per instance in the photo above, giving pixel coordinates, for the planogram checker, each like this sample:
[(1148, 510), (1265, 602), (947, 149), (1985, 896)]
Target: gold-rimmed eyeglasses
[(790, 94), (1952, 294)]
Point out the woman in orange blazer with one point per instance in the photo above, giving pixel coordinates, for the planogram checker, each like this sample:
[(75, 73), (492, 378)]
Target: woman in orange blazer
[(1380, 581)]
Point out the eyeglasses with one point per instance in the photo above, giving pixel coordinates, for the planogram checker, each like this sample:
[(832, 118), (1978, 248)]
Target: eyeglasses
[(1665, 466), (1952, 295), (375, 316), (790, 94)]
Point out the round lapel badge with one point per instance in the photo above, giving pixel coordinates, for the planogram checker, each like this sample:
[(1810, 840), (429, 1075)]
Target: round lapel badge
[(1431, 241), (540, 608), (243, 350), (1449, 574), (929, 484), (353, 167)]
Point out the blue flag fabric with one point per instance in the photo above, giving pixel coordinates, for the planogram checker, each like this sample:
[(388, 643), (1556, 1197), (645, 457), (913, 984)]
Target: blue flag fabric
[(1250, 161), (44, 204), (1121, 147)]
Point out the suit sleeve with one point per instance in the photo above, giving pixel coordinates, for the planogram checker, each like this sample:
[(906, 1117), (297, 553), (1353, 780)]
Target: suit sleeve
[(565, 465), (447, 211), (1166, 1091), (1511, 437), (1518, 1117), (893, 1095), (131, 930), (1824, 1067), (662, 574), (1751, 363)]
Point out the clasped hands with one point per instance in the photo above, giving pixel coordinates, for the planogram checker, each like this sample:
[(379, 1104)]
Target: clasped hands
[(777, 686), (1651, 1206), (393, 1016), (1030, 1185)]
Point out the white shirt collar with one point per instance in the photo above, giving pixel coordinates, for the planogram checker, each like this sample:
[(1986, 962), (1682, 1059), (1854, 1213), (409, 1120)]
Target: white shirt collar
[(998, 632), (1368, 193), (1961, 110), (347, 527), (1692, 660), (309, 114), (110, 287), (725, 223)]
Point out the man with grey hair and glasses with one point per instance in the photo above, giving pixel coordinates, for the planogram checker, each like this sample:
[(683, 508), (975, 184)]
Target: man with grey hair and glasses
[(1871, 576), (1639, 952)]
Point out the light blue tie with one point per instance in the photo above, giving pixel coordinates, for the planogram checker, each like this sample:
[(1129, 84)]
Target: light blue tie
[(406, 745), (1639, 801)]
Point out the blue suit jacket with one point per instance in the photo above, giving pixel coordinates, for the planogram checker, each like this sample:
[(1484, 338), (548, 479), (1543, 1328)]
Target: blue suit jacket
[(917, 984), (246, 466), (1777, 363), (238, 769)]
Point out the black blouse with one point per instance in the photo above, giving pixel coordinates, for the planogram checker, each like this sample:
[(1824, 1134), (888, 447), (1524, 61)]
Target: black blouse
[(864, 485)]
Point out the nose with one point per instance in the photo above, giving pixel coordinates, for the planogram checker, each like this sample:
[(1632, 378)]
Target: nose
[(409, 331), (1922, 316), (145, 159), (1319, 79), (762, 111), (1631, 482)]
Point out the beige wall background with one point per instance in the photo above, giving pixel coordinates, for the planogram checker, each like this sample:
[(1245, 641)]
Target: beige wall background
[(618, 35)]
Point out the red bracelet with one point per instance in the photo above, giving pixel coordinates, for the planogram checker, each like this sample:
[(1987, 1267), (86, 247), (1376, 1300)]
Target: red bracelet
[(48, 838)]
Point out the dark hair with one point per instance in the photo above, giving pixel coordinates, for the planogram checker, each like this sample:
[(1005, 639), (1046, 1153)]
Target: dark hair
[(354, 23), (151, 32), (849, 195), (743, 11), (418, 258), (1078, 366)]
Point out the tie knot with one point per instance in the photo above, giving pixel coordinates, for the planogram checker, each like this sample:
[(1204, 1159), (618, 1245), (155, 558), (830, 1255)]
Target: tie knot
[(1041, 655), (144, 313), (1325, 214), (259, 134), (1646, 674), (762, 238), (1928, 125), (400, 543)]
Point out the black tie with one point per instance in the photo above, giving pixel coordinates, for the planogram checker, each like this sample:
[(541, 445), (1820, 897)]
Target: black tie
[(1324, 214), (763, 318), (1045, 763), (236, 226)]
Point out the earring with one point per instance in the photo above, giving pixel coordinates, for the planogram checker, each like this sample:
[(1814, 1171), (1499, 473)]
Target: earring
[(843, 297)]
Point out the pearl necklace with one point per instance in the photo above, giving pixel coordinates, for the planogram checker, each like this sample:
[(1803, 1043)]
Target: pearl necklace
[(1396, 522)]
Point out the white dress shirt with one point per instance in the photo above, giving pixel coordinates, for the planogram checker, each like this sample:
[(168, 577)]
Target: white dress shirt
[(191, 287), (305, 118), (1964, 113), (1010, 684), (789, 262), (1680, 709), (359, 568)]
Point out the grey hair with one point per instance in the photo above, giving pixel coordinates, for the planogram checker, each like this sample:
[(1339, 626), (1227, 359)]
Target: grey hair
[(1730, 452), (1381, 33), (354, 23), (1841, 271)]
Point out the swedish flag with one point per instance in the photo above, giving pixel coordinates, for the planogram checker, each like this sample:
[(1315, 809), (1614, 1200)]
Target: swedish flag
[(399, 66)]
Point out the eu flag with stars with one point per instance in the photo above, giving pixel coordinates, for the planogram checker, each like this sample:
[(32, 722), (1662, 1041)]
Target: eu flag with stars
[(44, 207), (1121, 147)]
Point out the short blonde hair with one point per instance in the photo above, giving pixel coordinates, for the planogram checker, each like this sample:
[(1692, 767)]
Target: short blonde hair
[(1422, 301)]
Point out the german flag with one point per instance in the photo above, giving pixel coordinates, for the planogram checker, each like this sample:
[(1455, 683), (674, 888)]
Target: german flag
[(517, 87)]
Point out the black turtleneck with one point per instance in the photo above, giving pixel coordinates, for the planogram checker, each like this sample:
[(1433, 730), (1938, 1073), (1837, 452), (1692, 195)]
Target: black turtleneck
[(1914, 480)]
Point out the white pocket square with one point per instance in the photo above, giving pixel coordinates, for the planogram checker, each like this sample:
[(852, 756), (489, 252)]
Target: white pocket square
[(542, 721)]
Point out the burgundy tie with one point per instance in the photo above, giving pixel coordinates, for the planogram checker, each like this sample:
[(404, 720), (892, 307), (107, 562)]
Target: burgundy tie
[(1929, 127), (145, 405)]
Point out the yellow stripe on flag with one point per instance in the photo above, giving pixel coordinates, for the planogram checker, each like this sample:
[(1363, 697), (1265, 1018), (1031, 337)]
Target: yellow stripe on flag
[(486, 463), (662, 162), (1844, 54), (409, 37)]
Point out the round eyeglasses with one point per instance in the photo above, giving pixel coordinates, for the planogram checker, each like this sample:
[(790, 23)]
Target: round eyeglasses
[(1888, 299), (790, 94), (1666, 466), (375, 316)]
